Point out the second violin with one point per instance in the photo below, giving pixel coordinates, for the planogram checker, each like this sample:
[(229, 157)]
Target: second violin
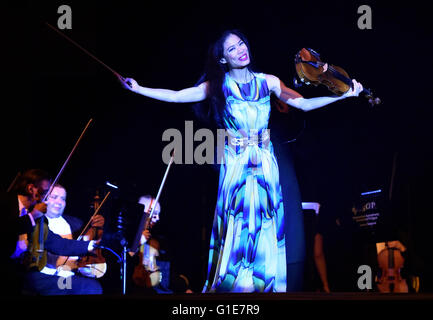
[(92, 266), (147, 273)]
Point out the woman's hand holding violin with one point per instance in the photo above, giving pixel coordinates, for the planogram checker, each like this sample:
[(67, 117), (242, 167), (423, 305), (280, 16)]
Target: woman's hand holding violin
[(356, 89)]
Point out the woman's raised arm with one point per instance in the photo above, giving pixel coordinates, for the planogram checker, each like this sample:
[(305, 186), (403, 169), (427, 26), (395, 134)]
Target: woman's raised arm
[(296, 100), (193, 94)]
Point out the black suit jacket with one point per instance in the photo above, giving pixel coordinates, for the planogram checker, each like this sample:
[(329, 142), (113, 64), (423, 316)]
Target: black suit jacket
[(75, 224), (65, 247), (12, 224)]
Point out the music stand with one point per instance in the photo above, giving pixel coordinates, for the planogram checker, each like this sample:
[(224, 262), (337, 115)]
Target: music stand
[(130, 221), (134, 211)]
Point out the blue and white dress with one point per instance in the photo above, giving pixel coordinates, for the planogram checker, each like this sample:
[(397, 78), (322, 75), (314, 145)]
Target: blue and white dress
[(247, 247)]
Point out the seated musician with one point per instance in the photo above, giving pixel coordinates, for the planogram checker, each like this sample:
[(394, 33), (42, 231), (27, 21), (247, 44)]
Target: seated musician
[(24, 211), (21, 209), (147, 273), (69, 227)]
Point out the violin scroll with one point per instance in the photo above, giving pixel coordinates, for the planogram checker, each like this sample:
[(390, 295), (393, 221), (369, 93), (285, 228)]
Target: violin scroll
[(373, 101)]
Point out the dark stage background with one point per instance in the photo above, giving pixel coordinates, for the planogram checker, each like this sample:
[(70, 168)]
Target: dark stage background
[(53, 89)]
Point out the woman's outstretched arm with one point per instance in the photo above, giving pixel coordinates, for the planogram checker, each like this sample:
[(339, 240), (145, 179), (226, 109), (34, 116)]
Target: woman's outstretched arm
[(294, 99), (193, 94)]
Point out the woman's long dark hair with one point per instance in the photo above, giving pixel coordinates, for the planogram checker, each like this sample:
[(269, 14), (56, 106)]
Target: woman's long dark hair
[(211, 112)]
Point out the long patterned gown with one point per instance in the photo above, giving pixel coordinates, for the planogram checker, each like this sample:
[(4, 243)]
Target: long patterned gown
[(247, 246)]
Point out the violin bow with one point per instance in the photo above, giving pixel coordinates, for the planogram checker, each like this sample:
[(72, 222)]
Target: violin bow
[(41, 224), (66, 162), (87, 52), (143, 220), (88, 223), (162, 184), (94, 214), (149, 217)]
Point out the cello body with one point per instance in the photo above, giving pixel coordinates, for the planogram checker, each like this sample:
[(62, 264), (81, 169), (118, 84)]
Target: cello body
[(390, 262)]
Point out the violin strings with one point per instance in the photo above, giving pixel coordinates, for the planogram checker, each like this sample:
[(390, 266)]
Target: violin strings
[(94, 214)]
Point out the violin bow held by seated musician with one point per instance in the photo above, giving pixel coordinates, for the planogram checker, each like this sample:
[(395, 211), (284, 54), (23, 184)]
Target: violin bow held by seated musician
[(92, 266)]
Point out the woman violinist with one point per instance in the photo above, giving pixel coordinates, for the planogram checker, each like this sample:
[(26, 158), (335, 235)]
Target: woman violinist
[(247, 249)]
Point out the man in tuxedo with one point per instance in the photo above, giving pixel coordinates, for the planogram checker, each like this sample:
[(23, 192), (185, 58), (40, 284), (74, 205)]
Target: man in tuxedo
[(68, 227), (21, 208)]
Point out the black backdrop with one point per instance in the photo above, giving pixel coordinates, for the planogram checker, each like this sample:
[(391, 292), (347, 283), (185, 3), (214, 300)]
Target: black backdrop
[(53, 89)]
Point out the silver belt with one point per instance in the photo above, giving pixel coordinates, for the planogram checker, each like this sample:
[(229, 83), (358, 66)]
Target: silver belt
[(251, 140)]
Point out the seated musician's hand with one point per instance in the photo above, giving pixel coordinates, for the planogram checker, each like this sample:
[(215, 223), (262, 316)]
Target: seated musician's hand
[(93, 244), (97, 221), (146, 234), (39, 209)]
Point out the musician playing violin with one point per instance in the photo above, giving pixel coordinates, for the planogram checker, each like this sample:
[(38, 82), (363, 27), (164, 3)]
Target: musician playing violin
[(24, 210), (147, 201), (21, 208), (67, 227), (147, 273), (239, 101)]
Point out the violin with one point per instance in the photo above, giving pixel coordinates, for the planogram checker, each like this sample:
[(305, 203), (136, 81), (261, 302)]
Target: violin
[(311, 70), (390, 262), (150, 273), (147, 273), (92, 266)]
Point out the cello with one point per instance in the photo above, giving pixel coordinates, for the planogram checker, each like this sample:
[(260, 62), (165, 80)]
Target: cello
[(390, 262)]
